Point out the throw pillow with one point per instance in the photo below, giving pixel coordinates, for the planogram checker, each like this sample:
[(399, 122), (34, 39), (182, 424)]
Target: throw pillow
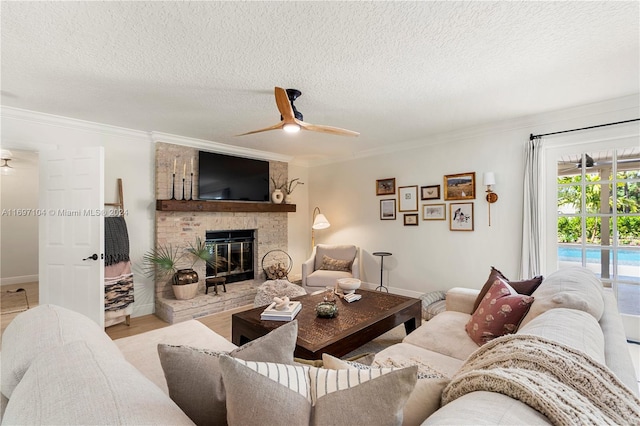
[(303, 395), (499, 313), (331, 264), (522, 287), (194, 379), (425, 397)]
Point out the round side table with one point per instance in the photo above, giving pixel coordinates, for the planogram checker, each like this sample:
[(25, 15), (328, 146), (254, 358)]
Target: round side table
[(382, 254)]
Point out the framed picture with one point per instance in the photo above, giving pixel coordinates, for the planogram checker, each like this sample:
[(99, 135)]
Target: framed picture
[(461, 216), (386, 186), (411, 219), (460, 187), (388, 209), (408, 198), (431, 192), (434, 211)]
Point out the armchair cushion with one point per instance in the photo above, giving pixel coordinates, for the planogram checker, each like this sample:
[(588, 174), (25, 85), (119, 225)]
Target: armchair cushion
[(331, 264), (341, 252)]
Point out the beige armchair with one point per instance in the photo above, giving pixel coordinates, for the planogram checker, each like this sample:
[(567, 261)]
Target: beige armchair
[(328, 263)]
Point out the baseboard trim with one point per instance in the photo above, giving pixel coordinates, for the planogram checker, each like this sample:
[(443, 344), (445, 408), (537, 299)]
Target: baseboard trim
[(19, 280), (394, 290)]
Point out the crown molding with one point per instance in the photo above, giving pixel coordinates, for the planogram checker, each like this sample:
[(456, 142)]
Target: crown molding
[(42, 118), (218, 147)]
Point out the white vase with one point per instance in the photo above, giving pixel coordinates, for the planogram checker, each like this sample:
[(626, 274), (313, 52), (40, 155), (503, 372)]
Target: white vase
[(277, 196), (287, 199)]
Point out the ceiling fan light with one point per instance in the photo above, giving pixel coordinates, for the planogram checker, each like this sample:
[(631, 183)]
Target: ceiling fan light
[(291, 128)]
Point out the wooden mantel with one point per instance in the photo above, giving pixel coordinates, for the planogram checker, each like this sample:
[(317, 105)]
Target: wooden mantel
[(222, 206)]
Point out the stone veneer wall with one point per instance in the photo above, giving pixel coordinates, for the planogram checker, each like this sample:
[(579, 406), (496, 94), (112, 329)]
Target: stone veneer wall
[(182, 228)]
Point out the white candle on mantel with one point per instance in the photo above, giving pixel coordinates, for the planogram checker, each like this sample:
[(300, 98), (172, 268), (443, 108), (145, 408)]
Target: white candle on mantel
[(191, 165), (174, 165), (184, 170)]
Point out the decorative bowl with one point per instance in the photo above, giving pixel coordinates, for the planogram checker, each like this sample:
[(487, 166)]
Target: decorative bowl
[(326, 309), (349, 285)]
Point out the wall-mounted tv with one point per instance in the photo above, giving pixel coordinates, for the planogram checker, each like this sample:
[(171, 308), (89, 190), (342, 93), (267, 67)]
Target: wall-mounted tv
[(225, 177)]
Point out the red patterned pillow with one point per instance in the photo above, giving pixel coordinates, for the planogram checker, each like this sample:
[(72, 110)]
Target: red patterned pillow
[(499, 313), (523, 287)]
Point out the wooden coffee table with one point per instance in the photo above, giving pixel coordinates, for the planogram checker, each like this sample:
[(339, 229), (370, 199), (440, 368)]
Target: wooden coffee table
[(356, 323)]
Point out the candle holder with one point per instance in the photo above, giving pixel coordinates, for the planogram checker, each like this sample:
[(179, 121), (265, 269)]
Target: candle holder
[(183, 188), (191, 188), (173, 186)]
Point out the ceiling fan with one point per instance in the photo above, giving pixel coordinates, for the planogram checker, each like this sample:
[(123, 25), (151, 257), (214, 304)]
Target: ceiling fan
[(292, 118), (590, 162)]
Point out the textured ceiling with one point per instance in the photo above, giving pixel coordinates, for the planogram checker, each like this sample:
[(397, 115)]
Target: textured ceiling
[(396, 72)]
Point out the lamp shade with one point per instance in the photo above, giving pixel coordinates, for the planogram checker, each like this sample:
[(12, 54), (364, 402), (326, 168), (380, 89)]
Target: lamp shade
[(320, 222), (489, 178)]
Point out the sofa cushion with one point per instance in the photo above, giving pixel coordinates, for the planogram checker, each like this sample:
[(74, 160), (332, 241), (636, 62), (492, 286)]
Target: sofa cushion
[(499, 313), (616, 351), (39, 330), (406, 352), (570, 327), (194, 378), (572, 288), (79, 383), (486, 408), (522, 287), (444, 334), (303, 395), (425, 397)]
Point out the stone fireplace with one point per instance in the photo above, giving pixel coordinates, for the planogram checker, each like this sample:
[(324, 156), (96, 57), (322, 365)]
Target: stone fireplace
[(180, 228)]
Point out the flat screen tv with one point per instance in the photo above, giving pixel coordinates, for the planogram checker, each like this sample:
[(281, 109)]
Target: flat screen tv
[(225, 177)]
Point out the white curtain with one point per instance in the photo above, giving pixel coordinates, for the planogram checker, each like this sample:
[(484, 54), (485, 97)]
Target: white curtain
[(532, 211)]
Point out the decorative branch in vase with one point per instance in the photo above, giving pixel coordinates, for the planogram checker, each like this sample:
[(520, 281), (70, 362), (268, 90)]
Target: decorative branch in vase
[(289, 187)]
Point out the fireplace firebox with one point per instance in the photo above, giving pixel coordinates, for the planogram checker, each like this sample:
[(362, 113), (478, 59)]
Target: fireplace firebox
[(232, 255)]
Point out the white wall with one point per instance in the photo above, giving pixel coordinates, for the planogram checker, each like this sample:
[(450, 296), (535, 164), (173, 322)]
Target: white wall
[(128, 155), (430, 257), (18, 224)]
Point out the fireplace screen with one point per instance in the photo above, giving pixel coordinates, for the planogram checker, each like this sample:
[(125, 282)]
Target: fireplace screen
[(232, 255)]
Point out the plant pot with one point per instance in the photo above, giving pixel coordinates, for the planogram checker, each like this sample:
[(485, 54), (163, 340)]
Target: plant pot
[(185, 284), (185, 276), (185, 291)]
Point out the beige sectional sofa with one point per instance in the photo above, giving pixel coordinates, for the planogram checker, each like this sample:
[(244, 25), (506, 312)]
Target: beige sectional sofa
[(60, 368), (570, 307)]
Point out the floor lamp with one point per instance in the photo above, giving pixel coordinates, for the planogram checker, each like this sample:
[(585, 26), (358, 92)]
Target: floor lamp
[(319, 222)]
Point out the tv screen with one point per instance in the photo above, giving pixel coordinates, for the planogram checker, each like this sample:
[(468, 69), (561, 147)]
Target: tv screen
[(225, 177)]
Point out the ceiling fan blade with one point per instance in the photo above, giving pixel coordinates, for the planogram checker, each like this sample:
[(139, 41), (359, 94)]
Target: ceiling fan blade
[(327, 129), (266, 129), (284, 105)]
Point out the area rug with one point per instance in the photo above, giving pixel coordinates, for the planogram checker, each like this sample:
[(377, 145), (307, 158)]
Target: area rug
[(12, 301), (381, 342)]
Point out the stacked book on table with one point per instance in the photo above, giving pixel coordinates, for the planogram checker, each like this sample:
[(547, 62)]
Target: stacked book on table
[(273, 314)]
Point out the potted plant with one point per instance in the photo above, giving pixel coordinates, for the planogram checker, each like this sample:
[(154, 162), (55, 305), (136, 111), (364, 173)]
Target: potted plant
[(164, 261)]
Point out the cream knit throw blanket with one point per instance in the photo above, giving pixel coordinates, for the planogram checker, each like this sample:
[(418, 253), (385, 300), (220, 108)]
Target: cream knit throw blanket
[(564, 384)]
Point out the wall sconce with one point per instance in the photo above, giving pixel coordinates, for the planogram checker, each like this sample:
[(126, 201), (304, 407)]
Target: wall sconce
[(490, 179), (319, 222), (5, 157)]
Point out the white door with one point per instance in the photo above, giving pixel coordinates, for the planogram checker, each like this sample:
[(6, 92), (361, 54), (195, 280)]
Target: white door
[(71, 270)]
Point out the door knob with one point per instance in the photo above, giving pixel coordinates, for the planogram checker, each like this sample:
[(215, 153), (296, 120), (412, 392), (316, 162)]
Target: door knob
[(92, 257)]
